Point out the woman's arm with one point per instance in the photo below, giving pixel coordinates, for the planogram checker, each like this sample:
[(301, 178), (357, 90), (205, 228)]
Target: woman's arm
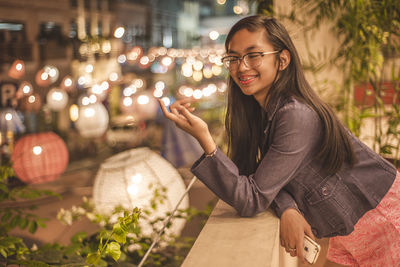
[(295, 136)]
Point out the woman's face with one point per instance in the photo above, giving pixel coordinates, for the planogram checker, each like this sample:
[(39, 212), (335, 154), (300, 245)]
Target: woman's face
[(256, 80)]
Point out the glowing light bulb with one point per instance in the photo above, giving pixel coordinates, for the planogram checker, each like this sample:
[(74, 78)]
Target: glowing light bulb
[(89, 112), (31, 99), (57, 96), (138, 83), (127, 101), (85, 101), (133, 189), (18, 67), (89, 68), (144, 60), (113, 76), (8, 116), (74, 112), (121, 59), (197, 93), (143, 99), (44, 76), (37, 150), (166, 61), (188, 92), (213, 35), (160, 85), (26, 89), (119, 32), (68, 82), (157, 93), (237, 10), (166, 101)]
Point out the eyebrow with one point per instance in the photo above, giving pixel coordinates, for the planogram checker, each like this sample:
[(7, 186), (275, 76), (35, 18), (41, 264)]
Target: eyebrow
[(246, 50)]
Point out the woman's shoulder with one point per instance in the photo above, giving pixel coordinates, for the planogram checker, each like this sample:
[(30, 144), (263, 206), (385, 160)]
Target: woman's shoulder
[(297, 109)]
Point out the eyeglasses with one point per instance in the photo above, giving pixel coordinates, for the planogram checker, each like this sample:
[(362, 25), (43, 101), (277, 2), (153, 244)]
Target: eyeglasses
[(251, 60)]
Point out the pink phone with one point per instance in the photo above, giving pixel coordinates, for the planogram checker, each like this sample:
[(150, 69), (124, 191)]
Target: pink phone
[(311, 250)]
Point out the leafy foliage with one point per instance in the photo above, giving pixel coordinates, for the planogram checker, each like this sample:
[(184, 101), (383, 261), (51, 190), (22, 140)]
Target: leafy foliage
[(368, 32)]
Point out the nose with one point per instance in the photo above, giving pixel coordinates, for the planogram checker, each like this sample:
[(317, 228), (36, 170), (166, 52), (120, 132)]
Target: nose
[(242, 65)]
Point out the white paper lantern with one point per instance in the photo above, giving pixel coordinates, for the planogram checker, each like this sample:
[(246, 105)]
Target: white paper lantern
[(57, 99), (125, 178), (93, 120)]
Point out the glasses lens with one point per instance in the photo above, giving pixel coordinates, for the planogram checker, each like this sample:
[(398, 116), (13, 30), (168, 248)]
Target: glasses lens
[(252, 60), (229, 62)]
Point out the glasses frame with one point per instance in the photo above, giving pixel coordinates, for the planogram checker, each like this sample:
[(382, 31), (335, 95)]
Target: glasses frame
[(227, 65)]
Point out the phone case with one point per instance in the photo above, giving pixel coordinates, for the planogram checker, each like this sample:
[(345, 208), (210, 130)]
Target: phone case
[(311, 250)]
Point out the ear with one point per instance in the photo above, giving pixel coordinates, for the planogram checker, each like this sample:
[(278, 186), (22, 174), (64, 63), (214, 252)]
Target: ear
[(285, 59)]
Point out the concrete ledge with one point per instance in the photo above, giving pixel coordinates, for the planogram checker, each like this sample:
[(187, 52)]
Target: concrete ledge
[(229, 240)]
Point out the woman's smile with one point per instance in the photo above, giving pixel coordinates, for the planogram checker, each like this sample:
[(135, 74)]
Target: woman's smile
[(247, 79)]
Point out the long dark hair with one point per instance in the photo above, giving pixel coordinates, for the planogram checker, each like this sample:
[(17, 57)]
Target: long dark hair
[(245, 119)]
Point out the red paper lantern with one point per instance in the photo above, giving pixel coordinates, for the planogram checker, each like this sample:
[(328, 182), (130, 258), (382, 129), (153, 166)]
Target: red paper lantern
[(39, 157), (17, 70), (42, 78), (31, 103)]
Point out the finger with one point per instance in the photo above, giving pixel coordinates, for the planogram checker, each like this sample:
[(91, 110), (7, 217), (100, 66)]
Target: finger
[(189, 116), (163, 107), (177, 113), (309, 232), (300, 249), (292, 250)]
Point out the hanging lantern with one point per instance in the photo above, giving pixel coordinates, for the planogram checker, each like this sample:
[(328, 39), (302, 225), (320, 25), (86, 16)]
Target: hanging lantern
[(17, 70), (145, 106), (93, 120), (68, 84), (129, 178), (10, 121), (31, 103), (42, 78), (57, 99), (39, 157), (52, 72), (24, 89)]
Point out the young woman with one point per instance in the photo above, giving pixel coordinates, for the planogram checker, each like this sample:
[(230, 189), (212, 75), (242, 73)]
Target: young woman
[(288, 151)]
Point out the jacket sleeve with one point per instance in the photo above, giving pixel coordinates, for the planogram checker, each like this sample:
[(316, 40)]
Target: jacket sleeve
[(295, 136), (282, 202)]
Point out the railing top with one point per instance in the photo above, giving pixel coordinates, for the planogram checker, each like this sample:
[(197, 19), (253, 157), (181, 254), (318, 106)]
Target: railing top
[(229, 240)]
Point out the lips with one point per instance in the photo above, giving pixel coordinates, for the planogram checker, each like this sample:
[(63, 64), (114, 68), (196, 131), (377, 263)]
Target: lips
[(247, 79)]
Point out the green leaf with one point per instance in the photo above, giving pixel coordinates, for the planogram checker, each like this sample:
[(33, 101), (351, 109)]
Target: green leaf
[(7, 215), (3, 187), (93, 258), (114, 250), (23, 223), (15, 221), (78, 237), (119, 234), (3, 252), (32, 227)]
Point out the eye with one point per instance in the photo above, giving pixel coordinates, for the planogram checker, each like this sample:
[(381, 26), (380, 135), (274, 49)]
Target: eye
[(253, 55)]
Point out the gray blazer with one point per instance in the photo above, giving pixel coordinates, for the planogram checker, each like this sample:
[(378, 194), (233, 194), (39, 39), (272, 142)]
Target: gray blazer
[(290, 176)]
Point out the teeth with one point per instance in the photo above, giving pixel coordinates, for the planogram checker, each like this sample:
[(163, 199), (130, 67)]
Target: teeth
[(246, 79)]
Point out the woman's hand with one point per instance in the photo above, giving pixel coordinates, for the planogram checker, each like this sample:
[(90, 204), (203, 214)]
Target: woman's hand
[(293, 226), (180, 113)]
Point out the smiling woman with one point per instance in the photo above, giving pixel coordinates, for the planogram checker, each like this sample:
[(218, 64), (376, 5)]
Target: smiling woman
[(288, 151)]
